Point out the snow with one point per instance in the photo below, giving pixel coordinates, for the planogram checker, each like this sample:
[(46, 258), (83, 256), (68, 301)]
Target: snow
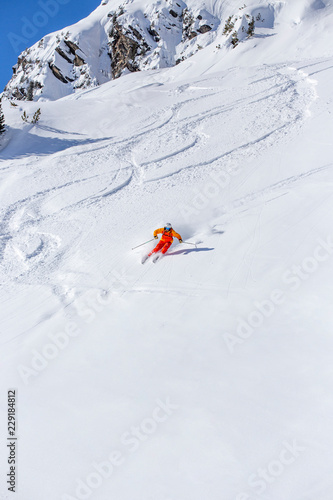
[(207, 374)]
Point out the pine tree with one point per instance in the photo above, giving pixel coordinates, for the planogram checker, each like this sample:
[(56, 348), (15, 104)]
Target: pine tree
[(229, 26), (25, 117), (36, 116), (2, 119)]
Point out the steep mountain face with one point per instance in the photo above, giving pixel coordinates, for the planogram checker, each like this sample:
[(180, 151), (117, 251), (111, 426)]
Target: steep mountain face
[(117, 39)]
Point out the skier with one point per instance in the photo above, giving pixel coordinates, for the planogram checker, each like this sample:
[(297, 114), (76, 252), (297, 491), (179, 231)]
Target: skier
[(166, 240)]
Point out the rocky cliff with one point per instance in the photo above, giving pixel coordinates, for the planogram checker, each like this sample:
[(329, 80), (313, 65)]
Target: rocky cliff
[(112, 42)]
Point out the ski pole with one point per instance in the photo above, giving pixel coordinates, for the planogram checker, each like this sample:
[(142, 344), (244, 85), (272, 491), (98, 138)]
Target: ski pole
[(143, 244), (189, 243)]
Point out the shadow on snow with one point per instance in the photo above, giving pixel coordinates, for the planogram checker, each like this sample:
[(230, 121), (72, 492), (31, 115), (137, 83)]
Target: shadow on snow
[(189, 250), (25, 144)]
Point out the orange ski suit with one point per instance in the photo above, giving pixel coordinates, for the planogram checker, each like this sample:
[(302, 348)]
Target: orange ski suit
[(166, 241)]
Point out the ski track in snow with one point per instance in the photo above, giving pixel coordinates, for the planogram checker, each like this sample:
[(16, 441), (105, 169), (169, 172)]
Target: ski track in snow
[(282, 89), (265, 195)]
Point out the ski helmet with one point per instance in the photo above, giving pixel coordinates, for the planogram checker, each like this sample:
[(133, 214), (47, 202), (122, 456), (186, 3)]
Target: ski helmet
[(168, 226)]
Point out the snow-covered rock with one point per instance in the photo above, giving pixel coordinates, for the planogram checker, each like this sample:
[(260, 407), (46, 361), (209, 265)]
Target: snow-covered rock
[(118, 38), (108, 43)]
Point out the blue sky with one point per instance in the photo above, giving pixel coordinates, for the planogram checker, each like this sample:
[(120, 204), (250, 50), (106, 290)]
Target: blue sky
[(24, 22)]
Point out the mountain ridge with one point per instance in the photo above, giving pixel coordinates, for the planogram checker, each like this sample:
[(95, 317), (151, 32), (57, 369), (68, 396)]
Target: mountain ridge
[(116, 39)]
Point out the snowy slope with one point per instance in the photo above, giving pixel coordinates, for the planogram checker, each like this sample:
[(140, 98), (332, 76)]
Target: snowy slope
[(207, 375)]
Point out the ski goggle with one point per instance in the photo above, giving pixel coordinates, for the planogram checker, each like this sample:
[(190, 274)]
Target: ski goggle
[(167, 228)]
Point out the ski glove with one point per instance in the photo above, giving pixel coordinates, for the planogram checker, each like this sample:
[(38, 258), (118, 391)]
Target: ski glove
[(180, 241), (156, 237)]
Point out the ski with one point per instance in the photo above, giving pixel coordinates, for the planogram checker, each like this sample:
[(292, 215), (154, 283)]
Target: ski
[(157, 258), (144, 258)]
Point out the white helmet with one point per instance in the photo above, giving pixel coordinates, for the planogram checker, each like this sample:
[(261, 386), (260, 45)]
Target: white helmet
[(168, 226)]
